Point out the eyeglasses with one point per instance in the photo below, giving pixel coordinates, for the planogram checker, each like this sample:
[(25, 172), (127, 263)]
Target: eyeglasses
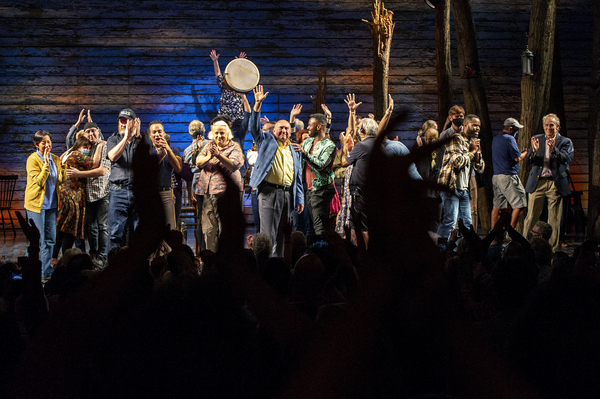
[(123, 120)]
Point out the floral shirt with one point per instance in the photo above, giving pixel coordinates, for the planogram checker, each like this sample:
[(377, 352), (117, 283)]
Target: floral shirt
[(456, 158), (211, 180), (229, 104), (320, 160)]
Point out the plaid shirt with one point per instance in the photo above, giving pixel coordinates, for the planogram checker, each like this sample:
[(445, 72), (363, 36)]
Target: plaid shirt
[(98, 187), (319, 160), (457, 157)]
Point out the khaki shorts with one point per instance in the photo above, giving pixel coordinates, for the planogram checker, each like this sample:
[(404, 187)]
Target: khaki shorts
[(508, 189)]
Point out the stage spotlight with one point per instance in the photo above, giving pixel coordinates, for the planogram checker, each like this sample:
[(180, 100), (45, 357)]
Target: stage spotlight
[(432, 3)]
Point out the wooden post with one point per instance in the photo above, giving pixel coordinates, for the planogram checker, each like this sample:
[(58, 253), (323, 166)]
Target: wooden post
[(556, 102), (321, 96), (382, 29), (443, 62), (593, 230), (535, 90), (474, 92)]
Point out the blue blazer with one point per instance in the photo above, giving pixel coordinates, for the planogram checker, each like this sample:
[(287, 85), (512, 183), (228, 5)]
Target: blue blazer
[(559, 163), (267, 145)]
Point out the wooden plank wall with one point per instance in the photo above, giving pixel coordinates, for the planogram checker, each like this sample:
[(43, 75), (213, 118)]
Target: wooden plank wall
[(57, 57)]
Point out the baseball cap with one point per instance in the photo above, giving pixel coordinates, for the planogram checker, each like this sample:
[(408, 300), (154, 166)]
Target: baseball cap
[(90, 125), (512, 122), (127, 113)]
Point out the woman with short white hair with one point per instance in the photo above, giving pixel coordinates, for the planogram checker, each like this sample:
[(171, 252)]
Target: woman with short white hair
[(221, 156)]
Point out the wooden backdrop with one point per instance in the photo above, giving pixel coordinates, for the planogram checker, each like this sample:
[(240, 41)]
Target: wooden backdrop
[(57, 57)]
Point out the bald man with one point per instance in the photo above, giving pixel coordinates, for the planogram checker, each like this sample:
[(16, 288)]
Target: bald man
[(277, 175)]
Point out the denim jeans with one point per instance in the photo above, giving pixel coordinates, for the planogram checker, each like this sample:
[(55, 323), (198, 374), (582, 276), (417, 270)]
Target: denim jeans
[(121, 211), (96, 217), (456, 206), (45, 221)]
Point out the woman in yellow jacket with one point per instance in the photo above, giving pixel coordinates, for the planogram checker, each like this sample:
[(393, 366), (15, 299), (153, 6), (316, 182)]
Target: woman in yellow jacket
[(45, 172)]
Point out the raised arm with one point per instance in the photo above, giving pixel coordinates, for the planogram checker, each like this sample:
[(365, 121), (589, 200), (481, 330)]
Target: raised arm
[(328, 115), (245, 102), (352, 106), (132, 127), (215, 59), (259, 97), (386, 118), (293, 114), (70, 140)]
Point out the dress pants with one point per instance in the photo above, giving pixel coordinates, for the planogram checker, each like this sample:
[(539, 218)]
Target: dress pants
[(211, 223), (545, 189), (275, 204), (319, 202)]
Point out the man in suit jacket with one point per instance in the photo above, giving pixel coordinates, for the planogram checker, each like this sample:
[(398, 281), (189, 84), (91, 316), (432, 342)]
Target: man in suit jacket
[(550, 154), (277, 175)]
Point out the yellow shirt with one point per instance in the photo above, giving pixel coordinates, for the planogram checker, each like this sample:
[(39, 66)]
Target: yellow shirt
[(282, 170)]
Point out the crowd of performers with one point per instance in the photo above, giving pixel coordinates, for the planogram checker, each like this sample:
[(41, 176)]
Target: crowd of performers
[(291, 171), (361, 290)]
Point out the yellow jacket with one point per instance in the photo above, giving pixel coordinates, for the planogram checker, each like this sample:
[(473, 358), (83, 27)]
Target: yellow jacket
[(37, 174)]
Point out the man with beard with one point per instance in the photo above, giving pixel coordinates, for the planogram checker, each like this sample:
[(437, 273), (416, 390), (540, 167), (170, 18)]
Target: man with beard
[(318, 152), (121, 146), (462, 153), (169, 162), (277, 175), (97, 188)]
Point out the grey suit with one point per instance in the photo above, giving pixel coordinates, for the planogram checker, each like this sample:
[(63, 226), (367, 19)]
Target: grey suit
[(553, 189)]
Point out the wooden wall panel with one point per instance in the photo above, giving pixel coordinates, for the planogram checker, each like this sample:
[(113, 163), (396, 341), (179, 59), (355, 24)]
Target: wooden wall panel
[(57, 57)]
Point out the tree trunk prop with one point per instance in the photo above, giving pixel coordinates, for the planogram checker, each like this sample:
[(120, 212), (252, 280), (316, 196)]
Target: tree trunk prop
[(593, 134), (474, 93), (556, 103), (443, 62), (321, 96), (382, 29), (535, 90)]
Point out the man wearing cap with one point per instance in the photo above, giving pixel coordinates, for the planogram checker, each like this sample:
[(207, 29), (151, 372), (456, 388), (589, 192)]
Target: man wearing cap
[(97, 188), (506, 183), (72, 136), (121, 146), (277, 175), (550, 155)]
